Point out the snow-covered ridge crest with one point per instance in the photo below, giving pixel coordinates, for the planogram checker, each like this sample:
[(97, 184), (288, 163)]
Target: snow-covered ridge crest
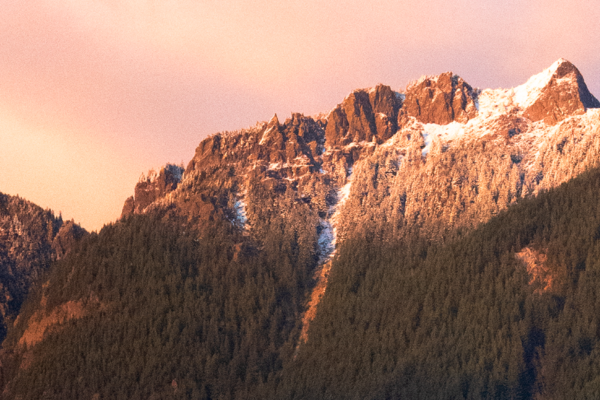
[(527, 93)]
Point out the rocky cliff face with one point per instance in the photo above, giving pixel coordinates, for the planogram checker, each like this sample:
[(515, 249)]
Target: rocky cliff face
[(30, 239), (151, 188), (439, 100), (364, 116), (556, 94)]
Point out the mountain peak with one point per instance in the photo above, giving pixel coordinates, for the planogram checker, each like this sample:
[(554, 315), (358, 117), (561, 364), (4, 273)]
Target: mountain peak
[(274, 120), (555, 93), (272, 132), (365, 115), (439, 99), (152, 186)]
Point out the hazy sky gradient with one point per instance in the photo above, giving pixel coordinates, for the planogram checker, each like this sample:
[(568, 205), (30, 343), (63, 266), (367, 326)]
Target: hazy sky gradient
[(93, 93)]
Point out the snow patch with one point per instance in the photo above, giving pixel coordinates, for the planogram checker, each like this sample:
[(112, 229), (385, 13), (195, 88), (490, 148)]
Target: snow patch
[(326, 241), (492, 102), (240, 213), (447, 132), (440, 133), (342, 195), (329, 227), (279, 165), (427, 139), (272, 126), (526, 93)]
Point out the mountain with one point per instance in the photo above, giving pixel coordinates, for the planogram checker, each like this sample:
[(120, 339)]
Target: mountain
[(405, 245), (152, 187), (30, 239), (442, 155)]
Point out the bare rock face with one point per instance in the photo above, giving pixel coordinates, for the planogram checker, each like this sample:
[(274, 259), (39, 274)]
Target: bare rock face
[(556, 94), (363, 116), (274, 142), (290, 142), (128, 207), (361, 121), (154, 186), (281, 150), (439, 100), (337, 126), (208, 151)]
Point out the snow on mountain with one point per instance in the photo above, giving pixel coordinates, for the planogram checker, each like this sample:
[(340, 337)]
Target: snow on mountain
[(329, 234), (440, 155), (240, 213), (527, 93), (435, 157)]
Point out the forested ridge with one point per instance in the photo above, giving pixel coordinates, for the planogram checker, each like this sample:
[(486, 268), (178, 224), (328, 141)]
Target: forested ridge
[(30, 238), (413, 319), (169, 315)]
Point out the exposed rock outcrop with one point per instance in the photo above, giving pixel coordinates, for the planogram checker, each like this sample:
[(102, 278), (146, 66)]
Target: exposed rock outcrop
[(439, 100), (151, 188), (540, 275), (68, 235), (555, 94), (363, 116)]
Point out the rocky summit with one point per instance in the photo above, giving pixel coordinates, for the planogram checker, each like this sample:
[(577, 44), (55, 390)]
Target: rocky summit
[(435, 157)]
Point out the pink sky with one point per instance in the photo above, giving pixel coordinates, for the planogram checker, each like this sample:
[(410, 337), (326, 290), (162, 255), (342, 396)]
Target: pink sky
[(93, 93)]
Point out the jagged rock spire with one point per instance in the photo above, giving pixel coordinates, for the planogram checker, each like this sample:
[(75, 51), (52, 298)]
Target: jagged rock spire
[(555, 93), (364, 115), (439, 100), (272, 132)]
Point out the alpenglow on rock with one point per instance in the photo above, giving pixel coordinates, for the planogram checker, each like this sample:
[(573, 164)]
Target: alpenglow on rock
[(151, 188), (440, 156), (555, 94), (439, 100)]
